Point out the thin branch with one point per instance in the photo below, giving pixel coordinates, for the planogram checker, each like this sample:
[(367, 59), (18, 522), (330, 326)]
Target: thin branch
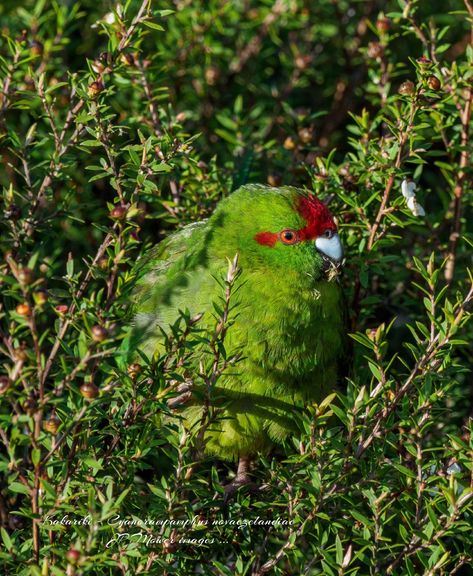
[(403, 139)]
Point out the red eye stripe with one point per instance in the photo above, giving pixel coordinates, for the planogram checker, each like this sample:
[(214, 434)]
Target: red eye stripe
[(267, 238)]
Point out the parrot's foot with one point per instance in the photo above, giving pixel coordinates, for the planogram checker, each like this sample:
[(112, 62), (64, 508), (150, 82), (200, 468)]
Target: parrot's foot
[(185, 390), (241, 479)]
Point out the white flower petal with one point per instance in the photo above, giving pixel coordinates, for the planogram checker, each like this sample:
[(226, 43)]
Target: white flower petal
[(415, 207), (408, 188), (420, 210)]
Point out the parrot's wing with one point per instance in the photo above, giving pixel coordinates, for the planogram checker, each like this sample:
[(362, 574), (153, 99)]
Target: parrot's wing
[(159, 259), (157, 275)]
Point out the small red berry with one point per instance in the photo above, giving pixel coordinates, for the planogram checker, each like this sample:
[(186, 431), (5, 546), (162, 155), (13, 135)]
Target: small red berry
[(383, 24), (73, 556)]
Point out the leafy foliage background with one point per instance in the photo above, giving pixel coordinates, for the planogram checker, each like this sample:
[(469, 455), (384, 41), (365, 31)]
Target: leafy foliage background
[(122, 122)]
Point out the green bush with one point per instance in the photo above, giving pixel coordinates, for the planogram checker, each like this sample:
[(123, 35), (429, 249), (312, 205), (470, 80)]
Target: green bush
[(120, 123)]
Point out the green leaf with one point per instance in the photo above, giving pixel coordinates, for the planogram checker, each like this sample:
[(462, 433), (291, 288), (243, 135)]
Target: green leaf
[(6, 539), (153, 25), (19, 488), (35, 456), (404, 470)]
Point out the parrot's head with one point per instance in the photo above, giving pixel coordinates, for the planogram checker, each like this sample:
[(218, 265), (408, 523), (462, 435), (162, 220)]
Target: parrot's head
[(283, 229)]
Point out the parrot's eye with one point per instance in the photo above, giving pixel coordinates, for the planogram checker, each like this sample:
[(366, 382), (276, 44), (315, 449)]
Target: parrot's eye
[(328, 234), (288, 237)]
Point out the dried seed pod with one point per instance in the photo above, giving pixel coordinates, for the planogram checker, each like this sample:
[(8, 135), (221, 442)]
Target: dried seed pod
[(20, 354), (349, 183), (407, 88), (424, 61), (102, 263), (375, 50), (434, 83), (119, 212), (98, 67), (36, 48), (23, 37), (305, 135), (169, 546), (25, 276), (289, 143), (89, 390), (95, 88), (40, 296), (5, 383), (44, 267), (127, 59), (212, 74), (302, 61), (106, 58), (134, 370), (52, 424), (30, 405), (12, 212), (99, 333), (23, 309), (274, 179)]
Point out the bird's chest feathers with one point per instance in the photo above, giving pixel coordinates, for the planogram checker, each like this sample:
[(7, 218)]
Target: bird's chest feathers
[(293, 329)]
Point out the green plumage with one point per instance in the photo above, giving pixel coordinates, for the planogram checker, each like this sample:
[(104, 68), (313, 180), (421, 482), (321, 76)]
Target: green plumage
[(289, 323)]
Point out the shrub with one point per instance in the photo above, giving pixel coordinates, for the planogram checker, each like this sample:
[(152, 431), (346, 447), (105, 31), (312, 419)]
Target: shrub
[(119, 124)]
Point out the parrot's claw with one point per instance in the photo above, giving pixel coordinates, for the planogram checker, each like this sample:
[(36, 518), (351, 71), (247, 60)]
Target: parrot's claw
[(241, 479), (232, 488), (185, 395)]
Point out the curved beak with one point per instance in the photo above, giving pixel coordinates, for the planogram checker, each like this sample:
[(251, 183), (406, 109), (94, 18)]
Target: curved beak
[(330, 248)]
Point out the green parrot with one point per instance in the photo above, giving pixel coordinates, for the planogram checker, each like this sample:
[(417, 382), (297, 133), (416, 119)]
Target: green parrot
[(290, 319)]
